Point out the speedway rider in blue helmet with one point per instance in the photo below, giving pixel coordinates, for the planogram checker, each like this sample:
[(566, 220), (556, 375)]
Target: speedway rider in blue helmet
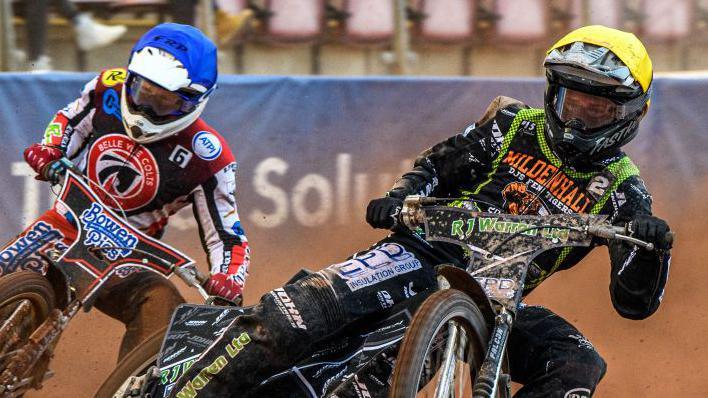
[(137, 133), (168, 85)]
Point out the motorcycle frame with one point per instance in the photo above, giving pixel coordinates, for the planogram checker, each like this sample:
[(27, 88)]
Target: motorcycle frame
[(76, 287), (498, 307)]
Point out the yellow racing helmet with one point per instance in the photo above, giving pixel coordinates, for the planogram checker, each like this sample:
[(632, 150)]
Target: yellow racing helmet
[(599, 88)]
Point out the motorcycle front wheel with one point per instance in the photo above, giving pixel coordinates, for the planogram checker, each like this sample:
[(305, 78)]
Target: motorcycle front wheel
[(443, 348), (26, 300), (135, 363)]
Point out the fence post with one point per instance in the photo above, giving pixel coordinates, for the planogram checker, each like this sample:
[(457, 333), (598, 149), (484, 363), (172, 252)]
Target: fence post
[(401, 41), (7, 51), (207, 18)]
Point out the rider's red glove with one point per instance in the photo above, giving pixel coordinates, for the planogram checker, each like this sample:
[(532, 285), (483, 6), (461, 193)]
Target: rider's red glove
[(224, 285), (38, 156)]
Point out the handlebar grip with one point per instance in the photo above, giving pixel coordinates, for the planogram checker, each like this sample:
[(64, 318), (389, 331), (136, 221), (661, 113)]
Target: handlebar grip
[(622, 233), (409, 213), (201, 278), (191, 275), (669, 238), (53, 171)]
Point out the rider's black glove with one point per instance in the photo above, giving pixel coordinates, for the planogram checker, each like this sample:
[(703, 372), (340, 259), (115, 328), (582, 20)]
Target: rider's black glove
[(383, 212), (650, 229)]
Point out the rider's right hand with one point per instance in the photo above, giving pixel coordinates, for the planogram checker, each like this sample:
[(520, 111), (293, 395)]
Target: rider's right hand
[(38, 156), (225, 286), (383, 212)]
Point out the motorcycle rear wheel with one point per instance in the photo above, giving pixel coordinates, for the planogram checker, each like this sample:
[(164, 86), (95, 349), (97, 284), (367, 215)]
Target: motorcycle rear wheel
[(135, 363), (447, 322), (22, 292)]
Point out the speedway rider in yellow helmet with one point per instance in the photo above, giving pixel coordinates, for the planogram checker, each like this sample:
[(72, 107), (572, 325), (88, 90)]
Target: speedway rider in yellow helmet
[(564, 159), (599, 87)]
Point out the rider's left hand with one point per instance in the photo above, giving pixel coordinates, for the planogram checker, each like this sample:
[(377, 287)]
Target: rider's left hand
[(650, 229), (225, 286)]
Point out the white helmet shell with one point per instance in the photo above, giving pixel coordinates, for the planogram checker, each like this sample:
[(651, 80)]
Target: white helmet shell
[(163, 69)]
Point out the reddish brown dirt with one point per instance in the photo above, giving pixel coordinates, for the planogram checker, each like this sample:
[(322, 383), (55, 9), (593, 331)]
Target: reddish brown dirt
[(663, 356)]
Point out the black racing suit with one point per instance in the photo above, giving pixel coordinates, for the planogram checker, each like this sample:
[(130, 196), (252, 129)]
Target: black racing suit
[(500, 164)]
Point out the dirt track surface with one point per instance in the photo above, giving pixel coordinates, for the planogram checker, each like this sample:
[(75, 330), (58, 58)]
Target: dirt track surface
[(663, 356)]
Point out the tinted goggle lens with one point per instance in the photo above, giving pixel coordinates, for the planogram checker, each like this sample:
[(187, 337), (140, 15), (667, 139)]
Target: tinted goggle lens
[(156, 100), (591, 110)]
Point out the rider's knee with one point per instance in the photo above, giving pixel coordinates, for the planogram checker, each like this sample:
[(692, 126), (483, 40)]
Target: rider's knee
[(595, 364), (163, 294), (310, 305), (583, 364), (141, 296)]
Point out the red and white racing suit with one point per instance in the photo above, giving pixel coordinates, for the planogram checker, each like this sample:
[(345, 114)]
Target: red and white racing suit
[(150, 182), (153, 181)]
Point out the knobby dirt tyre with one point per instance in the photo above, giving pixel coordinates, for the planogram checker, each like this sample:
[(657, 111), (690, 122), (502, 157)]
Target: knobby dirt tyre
[(432, 316), (17, 288), (28, 285), (135, 363)]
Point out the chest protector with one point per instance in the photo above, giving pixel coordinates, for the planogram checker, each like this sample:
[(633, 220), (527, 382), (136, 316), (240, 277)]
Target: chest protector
[(527, 178), (146, 178)]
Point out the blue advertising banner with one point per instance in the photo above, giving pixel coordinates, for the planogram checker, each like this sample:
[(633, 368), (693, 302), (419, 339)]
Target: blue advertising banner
[(312, 151)]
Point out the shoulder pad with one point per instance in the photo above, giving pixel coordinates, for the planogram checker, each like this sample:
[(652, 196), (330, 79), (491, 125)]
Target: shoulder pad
[(631, 198), (501, 103), (636, 189), (113, 77), (207, 144)]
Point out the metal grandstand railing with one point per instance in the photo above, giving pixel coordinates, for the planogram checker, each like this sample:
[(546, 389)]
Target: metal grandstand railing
[(375, 24)]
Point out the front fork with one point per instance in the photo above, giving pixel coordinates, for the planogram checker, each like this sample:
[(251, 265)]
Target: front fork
[(490, 377)]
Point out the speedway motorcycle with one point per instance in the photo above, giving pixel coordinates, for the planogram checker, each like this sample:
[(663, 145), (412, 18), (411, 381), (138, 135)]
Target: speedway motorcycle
[(447, 343), (456, 343), (44, 285), (152, 368)]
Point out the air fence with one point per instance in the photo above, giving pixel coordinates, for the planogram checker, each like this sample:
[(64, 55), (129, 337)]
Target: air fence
[(312, 151)]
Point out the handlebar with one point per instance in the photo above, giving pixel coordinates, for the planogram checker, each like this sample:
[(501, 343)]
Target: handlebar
[(410, 216), (54, 171), (621, 233), (192, 277)]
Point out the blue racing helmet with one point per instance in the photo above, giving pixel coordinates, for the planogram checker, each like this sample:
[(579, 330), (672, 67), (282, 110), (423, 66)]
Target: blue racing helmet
[(171, 74)]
